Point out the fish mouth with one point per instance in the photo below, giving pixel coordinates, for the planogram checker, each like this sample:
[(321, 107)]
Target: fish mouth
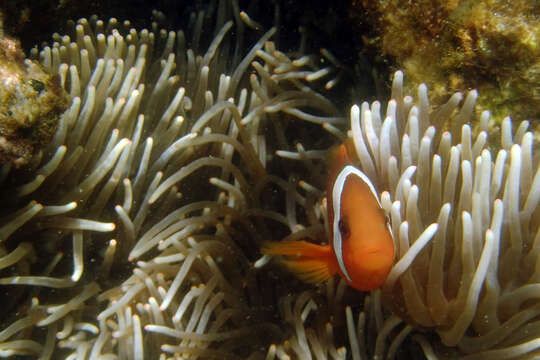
[(377, 260), (376, 252)]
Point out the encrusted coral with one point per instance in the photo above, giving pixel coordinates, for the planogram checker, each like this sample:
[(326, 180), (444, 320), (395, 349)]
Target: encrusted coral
[(31, 102), (488, 45)]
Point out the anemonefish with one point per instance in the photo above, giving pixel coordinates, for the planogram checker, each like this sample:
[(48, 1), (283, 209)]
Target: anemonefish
[(361, 249)]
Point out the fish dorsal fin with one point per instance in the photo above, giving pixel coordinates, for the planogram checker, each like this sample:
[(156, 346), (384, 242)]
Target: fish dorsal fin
[(337, 193)]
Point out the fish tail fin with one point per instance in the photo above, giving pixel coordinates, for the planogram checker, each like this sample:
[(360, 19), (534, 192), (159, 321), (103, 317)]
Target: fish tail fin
[(309, 262)]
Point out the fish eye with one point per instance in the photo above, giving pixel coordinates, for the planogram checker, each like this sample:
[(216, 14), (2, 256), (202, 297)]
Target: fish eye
[(344, 228)]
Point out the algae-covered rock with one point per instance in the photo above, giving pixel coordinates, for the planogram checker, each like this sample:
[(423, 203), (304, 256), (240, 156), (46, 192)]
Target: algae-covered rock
[(489, 45), (31, 102)]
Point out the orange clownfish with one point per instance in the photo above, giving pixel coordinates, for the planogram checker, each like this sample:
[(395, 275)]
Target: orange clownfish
[(361, 250)]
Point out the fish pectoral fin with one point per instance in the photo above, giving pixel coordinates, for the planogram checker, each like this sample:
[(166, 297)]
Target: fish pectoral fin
[(309, 262), (309, 270)]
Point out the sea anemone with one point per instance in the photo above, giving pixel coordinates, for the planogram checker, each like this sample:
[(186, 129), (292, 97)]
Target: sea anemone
[(465, 213), (466, 221), (133, 232)]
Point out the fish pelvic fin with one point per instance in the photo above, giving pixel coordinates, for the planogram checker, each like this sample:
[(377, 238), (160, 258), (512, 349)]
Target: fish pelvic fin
[(310, 262)]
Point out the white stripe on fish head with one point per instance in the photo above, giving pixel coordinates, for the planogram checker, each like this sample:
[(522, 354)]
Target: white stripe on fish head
[(337, 191)]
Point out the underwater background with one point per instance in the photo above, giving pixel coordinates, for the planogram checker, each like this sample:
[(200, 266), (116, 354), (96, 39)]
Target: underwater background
[(149, 149)]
